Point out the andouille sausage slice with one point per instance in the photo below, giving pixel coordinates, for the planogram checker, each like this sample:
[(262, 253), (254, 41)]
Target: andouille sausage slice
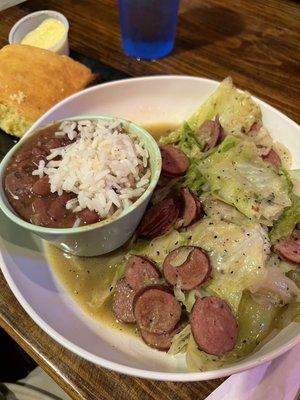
[(123, 302), (156, 310), (166, 223), (272, 158), (213, 325), (174, 161), (192, 208), (140, 269), (289, 250), (162, 342), (159, 218), (187, 267), (211, 132)]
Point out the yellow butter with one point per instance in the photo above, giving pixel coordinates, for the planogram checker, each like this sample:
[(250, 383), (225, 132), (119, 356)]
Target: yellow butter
[(46, 35)]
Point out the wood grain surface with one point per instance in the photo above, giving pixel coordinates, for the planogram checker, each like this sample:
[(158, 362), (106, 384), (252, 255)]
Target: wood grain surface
[(256, 42)]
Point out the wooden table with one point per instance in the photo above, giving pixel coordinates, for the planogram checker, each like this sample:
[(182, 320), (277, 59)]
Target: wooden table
[(256, 42)]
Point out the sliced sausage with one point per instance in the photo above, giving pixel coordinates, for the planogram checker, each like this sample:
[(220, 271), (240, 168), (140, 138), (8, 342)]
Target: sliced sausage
[(159, 218), (162, 342), (272, 158), (166, 223), (211, 132), (123, 302), (174, 161), (187, 267), (192, 208), (19, 183), (57, 209), (213, 325), (88, 216), (140, 269), (289, 250), (39, 152), (42, 186), (156, 309)]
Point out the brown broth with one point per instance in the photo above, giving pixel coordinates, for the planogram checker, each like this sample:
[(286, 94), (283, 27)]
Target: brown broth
[(87, 279)]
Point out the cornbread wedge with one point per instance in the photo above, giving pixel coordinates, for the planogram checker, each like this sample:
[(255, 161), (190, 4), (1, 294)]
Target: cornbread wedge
[(32, 80)]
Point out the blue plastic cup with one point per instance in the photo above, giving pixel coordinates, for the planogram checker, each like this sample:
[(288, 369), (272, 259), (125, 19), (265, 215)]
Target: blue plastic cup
[(148, 27)]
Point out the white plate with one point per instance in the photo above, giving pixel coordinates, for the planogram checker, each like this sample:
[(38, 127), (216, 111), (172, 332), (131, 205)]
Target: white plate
[(143, 100)]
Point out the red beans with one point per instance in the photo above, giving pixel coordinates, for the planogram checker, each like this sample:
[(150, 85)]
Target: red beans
[(213, 325), (52, 144), (18, 184), (88, 216), (174, 161), (23, 155), (39, 214), (57, 209), (39, 152), (42, 186), (187, 267), (156, 310)]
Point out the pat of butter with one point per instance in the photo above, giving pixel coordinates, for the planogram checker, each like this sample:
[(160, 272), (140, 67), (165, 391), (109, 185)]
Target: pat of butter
[(46, 35)]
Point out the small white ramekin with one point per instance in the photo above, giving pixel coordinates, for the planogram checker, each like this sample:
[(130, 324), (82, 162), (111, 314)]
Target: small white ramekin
[(32, 21)]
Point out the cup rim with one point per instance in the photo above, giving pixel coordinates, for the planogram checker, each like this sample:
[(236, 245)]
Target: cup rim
[(52, 14), (157, 162)]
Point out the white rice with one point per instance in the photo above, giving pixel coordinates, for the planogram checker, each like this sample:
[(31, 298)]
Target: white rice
[(105, 167)]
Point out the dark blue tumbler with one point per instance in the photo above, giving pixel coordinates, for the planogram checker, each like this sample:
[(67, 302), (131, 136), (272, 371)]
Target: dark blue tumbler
[(148, 27)]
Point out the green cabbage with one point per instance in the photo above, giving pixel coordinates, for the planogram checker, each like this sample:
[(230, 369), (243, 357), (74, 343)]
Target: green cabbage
[(234, 267), (180, 341), (237, 175), (287, 222), (295, 178), (236, 110), (158, 248), (193, 177), (189, 143)]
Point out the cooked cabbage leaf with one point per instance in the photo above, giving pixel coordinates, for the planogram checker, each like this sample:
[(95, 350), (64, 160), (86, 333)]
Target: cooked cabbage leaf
[(189, 143), (295, 177), (180, 341), (236, 110), (275, 287), (286, 224), (237, 175), (193, 177), (234, 267), (158, 248)]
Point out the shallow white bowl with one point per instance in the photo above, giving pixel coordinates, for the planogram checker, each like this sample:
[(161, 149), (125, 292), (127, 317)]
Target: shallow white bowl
[(145, 101)]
